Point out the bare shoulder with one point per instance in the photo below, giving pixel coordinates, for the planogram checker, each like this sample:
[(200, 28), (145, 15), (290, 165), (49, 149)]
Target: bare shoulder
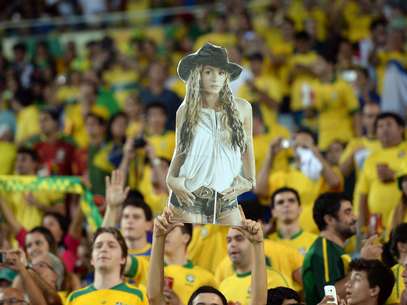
[(243, 106)]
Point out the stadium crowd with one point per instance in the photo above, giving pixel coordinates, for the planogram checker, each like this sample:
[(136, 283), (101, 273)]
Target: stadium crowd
[(327, 83)]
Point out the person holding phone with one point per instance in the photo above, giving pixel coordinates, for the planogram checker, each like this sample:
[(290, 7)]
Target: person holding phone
[(16, 261), (324, 263), (370, 283)]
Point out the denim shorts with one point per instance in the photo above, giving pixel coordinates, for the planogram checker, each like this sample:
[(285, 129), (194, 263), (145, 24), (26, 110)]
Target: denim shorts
[(204, 202)]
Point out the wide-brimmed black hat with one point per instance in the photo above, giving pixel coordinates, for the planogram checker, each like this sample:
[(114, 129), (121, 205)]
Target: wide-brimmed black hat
[(211, 55)]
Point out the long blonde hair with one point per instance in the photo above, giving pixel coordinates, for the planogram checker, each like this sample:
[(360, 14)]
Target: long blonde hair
[(193, 103)]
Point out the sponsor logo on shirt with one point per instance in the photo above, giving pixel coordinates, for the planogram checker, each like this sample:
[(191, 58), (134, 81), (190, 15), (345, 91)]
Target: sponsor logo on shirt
[(190, 278)]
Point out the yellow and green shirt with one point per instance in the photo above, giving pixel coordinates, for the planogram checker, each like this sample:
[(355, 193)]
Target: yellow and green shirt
[(378, 192), (138, 271), (236, 288), (119, 294), (188, 278), (208, 239), (324, 264), (283, 259), (398, 287), (301, 240)]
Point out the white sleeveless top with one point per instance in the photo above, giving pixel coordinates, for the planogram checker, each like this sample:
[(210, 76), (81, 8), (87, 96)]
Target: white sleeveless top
[(210, 160)]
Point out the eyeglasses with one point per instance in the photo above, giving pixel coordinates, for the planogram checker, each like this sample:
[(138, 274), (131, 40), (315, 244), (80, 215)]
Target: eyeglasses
[(43, 265), (13, 301)]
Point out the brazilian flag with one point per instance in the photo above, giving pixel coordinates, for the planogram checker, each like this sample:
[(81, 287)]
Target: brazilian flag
[(62, 184)]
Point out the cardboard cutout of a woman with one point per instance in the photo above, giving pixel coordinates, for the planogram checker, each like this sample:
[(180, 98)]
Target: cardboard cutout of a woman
[(213, 162)]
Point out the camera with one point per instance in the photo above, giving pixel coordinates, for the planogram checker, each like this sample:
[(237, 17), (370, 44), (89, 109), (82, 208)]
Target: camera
[(286, 143), (139, 143)]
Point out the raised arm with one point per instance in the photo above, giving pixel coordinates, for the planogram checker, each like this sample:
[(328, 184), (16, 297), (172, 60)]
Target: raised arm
[(163, 224), (15, 262), (253, 232), (75, 227), (9, 217), (331, 178), (262, 187), (116, 193)]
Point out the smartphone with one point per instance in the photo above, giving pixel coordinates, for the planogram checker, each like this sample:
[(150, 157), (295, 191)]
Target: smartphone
[(285, 143), (331, 291), (2, 257), (169, 282)]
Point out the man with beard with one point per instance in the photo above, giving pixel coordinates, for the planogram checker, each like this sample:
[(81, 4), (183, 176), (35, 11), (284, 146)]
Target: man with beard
[(325, 261)]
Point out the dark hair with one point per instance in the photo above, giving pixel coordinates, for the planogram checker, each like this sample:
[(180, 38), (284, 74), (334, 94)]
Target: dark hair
[(28, 151), (256, 56), (134, 200), (62, 221), (276, 296), (304, 36), (52, 112), (378, 274), (378, 22), (118, 236), (284, 190), (327, 204), (48, 237), (111, 121), (308, 132), (156, 104), (289, 20), (187, 228), (384, 115), (99, 118), (207, 289), (398, 235), (20, 46)]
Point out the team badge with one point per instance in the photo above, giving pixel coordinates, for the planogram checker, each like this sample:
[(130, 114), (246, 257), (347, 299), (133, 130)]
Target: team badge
[(190, 278)]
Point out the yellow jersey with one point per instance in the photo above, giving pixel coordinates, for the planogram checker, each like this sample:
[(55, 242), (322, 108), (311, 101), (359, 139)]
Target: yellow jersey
[(336, 102), (188, 278), (378, 192), (357, 23), (28, 123), (208, 239), (236, 288), (220, 39), (272, 87), (370, 145), (281, 258), (163, 144), (261, 144), (7, 157), (25, 213), (119, 294), (138, 272), (301, 240), (308, 189), (398, 287)]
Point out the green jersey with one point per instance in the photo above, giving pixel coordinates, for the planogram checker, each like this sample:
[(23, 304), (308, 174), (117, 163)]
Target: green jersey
[(325, 263)]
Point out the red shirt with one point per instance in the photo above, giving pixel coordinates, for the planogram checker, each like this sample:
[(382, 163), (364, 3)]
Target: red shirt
[(57, 157)]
